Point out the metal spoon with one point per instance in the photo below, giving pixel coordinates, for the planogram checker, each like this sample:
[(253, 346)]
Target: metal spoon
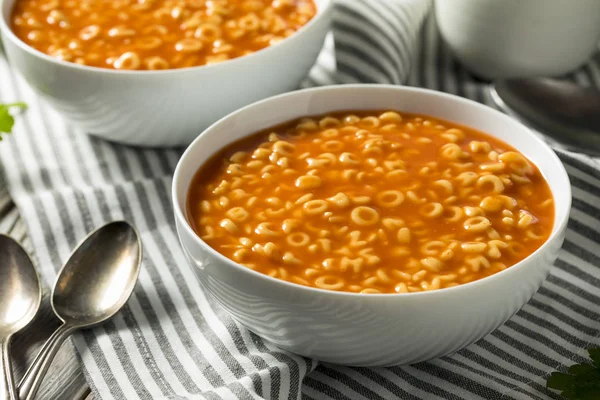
[(20, 297), (568, 113), (91, 287)]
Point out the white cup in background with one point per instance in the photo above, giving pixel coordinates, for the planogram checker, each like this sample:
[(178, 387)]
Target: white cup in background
[(509, 38)]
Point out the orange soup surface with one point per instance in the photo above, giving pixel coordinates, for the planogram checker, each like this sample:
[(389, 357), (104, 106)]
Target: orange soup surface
[(372, 202), (156, 34)]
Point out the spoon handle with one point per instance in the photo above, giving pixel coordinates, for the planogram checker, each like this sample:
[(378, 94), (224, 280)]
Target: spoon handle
[(36, 372), (7, 384)]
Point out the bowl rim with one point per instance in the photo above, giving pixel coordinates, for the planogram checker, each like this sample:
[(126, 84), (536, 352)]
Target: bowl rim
[(324, 8), (558, 227)]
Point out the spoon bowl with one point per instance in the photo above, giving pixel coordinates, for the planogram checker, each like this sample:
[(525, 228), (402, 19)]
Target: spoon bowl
[(99, 276), (20, 297), (20, 291)]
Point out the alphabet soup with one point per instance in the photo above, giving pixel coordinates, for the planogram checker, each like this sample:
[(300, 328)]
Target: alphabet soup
[(372, 202)]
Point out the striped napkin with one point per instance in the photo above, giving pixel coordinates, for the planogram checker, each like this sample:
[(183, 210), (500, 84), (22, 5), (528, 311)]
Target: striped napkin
[(172, 342)]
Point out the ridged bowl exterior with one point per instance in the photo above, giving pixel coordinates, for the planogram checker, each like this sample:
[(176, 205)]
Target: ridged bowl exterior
[(165, 108), (369, 330)]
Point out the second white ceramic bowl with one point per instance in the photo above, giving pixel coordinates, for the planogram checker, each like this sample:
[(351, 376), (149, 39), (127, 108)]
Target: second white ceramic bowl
[(512, 38), (171, 107), (368, 330)]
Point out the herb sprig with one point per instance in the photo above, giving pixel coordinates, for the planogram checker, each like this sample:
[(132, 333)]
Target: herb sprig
[(581, 382), (7, 120)]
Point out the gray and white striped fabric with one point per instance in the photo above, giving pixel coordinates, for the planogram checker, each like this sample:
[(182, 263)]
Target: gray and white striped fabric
[(172, 342)]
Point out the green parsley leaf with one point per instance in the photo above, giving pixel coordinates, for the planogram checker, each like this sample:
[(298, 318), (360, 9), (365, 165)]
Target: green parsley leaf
[(581, 382), (6, 119), (595, 356)]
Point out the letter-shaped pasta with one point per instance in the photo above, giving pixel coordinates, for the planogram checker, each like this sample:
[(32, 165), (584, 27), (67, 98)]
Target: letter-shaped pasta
[(476, 262), (491, 204), (246, 242), (389, 198), (148, 42), (355, 239), (451, 199), (298, 239), (393, 223), (351, 120), (121, 32), (494, 247), (348, 159), (238, 157), (493, 180), (477, 224), (89, 32), (403, 235), (332, 158), (354, 264), (304, 198), (473, 247), (480, 147), (313, 207), (329, 122), (330, 133), (396, 175), (290, 259), (508, 221), (454, 214), (432, 248), (156, 63), (390, 117), (284, 148), (332, 145), (432, 210), (451, 151), (370, 291), (445, 184), (256, 164), (289, 225), (516, 162), (348, 174), (261, 154), (317, 162), (370, 122), (240, 254), (266, 229), (229, 226), (307, 124), (329, 282), (364, 216), (493, 168), (128, 60), (308, 182), (394, 165), (269, 249), (525, 219), (447, 255), (432, 264), (205, 206), (208, 32), (382, 276), (238, 214), (467, 178), (188, 45), (341, 200)]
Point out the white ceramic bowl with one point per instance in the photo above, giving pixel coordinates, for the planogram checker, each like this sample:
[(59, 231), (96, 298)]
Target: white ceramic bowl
[(165, 108), (508, 38), (369, 330)]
